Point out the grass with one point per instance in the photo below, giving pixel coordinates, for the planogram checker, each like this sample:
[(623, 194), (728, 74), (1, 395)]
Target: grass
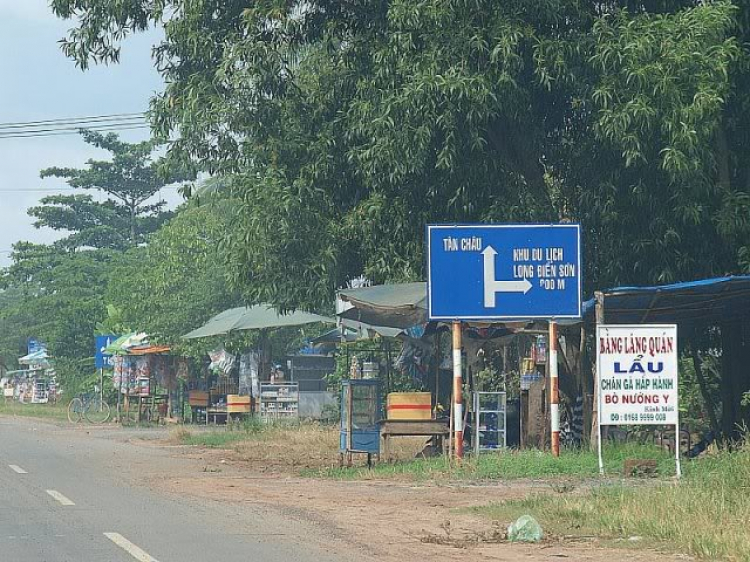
[(705, 515), (45, 411), (511, 465), (220, 439), (307, 448)]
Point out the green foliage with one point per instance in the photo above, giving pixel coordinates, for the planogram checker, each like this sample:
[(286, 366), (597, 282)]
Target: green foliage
[(59, 297), (349, 126), (176, 282), (130, 179)]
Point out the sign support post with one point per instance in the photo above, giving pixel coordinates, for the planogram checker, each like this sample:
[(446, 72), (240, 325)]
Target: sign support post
[(554, 395), (458, 406), (599, 432)]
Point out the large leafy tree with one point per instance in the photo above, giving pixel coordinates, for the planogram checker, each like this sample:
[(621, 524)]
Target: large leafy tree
[(130, 180), (349, 124)]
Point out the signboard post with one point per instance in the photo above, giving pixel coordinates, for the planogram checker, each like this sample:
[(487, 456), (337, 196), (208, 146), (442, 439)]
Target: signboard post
[(498, 272), (638, 378)]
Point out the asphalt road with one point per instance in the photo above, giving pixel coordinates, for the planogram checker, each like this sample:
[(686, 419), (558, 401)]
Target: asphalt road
[(70, 496)]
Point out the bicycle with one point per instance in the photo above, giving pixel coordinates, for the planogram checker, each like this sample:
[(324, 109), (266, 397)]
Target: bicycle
[(90, 406)]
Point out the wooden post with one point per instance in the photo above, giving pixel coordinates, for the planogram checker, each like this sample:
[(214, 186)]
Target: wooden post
[(554, 394), (349, 424), (458, 406)]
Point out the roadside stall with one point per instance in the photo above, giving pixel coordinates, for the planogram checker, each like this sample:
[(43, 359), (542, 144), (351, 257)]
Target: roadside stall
[(504, 369), (38, 380), (145, 377), (231, 388)]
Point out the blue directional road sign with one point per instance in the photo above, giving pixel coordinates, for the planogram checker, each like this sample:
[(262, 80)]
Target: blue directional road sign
[(504, 272), (102, 360)]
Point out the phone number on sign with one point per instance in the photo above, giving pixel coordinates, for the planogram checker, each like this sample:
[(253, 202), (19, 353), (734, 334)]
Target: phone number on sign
[(637, 418)]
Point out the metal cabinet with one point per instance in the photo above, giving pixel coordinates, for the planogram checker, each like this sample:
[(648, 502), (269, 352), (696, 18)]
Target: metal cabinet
[(360, 412), (489, 421)]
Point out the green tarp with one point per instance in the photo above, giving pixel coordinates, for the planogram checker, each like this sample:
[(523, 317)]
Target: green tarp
[(256, 317), (401, 305)]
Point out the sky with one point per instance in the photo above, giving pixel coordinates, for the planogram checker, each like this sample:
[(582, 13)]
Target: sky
[(37, 82)]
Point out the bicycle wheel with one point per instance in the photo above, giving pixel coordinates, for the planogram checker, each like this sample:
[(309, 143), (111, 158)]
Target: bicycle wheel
[(75, 410), (97, 411)]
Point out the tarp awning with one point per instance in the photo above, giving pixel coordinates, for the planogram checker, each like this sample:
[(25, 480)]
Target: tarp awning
[(123, 344), (708, 301), (258, 317), (37, 358), (401, 305)]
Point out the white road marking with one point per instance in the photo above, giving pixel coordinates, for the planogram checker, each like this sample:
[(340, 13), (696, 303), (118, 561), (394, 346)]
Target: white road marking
[(130, 548), (59, 497), (18, 469)]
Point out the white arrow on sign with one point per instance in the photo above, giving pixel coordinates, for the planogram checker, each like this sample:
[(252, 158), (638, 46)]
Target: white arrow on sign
[(492, 286)]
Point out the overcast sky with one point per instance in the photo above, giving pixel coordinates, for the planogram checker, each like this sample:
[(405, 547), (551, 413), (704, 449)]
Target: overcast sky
[(37, 83)]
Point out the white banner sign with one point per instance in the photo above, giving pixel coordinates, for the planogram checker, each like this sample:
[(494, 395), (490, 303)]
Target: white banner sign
[(637, 372)]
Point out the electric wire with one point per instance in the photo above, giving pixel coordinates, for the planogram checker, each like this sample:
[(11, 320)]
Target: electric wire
[(70, 131), (72, 125), (73, 120)]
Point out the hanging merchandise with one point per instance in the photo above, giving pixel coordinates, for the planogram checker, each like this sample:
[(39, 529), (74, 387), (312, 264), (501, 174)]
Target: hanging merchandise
[(413, 360), (539, 350), (159, 367), (529, 374), (248, 375), (221, 361), (123, 377), (354, 368), (183, 371)]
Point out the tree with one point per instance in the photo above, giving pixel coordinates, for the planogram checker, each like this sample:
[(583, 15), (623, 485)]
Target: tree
[(350, 125), (130, 180), (176, 282), (57, 297)]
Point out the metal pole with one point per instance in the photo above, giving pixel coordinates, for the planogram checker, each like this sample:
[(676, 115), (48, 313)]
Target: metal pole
[(599, 314), (458, 407), (678, 467), (101, 388), (554, 394)]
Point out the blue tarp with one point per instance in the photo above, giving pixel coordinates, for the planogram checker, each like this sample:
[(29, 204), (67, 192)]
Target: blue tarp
[(708, 301)]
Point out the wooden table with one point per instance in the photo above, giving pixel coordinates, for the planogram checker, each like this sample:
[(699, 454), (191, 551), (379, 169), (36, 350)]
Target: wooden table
[(438, 429)]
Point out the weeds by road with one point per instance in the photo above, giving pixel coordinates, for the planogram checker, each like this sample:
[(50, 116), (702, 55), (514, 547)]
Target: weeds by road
[(705, 515), (45, 411), (512, 464), (312, 449)]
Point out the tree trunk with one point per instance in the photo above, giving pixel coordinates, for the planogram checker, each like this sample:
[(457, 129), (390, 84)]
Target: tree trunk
[(133, 239)]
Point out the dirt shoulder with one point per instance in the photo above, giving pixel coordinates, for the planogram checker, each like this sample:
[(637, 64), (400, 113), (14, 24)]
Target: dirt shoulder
[(389, 520)]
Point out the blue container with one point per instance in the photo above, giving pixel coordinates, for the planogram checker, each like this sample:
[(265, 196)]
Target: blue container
[(363, 397)]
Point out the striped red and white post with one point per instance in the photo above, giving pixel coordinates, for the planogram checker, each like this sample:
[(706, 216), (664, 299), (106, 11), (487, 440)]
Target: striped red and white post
[(458, 404), (554, 394)]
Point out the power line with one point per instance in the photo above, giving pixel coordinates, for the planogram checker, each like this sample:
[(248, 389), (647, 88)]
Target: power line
[(58, 189), (69, 131), (69, 120)]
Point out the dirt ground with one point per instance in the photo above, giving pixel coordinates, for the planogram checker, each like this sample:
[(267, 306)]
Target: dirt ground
[(385, 520)]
